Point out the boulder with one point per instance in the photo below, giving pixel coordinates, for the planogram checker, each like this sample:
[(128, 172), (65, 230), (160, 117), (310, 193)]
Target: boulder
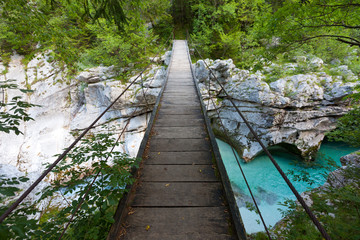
[(96, 74), (166, 58), (316, 62), (294, 111), (339, 178), (351, 159), (72, 105), (201, 72)]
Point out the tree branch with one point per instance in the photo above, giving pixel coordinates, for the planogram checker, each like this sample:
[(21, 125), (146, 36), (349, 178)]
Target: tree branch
[(340, 5), (333, 25), (348, 40)]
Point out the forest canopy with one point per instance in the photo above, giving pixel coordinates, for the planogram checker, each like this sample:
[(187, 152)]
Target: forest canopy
[(244, 30), (83, 33), (79, 34)]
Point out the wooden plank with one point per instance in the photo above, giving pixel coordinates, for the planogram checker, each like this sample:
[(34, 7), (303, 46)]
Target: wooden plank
[(180, 94), (180, 122), (181, 98), (180, 104), (176, 116), (178, 194), (168, 158), (180, 82), (180, 223), (161, 131), (178, 108), (179, 101), (178, 173), (180, 111), (182, 236), (179, 145), (179, 88)]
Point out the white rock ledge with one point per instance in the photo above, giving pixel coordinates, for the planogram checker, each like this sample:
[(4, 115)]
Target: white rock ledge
[(68, 105), (293, 111)]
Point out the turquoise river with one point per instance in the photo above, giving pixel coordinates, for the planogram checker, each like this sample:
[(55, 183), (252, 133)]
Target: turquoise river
[(266, 183)]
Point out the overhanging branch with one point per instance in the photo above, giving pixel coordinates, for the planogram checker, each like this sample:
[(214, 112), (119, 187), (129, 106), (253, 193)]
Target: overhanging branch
[(348, 40)]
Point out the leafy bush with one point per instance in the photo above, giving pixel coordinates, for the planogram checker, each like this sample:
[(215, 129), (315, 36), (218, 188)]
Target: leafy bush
[(348, 128), (74, 175), (337, 208), (83, 33), (13, 112)]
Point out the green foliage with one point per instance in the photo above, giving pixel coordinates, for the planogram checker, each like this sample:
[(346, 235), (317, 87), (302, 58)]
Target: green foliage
[(337, 207), (14, 112), (93, 157), (348, 128), (355, 97), (222, 29), (6, 186), (157, 12), (297, 22), (83, 32), (248, 31)]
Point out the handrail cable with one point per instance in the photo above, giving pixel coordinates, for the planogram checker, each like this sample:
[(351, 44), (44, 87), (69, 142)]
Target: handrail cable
[(295, 192), (82, 199), (238, 162), (49, 169), (2, 96)]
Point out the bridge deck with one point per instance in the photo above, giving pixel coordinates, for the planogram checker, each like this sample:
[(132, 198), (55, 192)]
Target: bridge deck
[(178, 195)]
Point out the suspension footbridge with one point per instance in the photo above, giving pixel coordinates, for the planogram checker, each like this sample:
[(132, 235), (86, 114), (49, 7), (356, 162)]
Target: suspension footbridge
[(182, 190)]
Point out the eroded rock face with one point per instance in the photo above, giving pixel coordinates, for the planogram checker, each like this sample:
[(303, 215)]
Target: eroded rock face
[(341, 176), (70, 105), (296, 110)]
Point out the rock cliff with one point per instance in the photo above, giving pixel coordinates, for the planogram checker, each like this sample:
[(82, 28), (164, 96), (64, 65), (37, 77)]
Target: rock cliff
[(294, 111), (71, 104)]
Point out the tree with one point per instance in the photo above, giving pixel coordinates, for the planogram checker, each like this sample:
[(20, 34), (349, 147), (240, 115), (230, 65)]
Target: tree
[(348, 128), (299, 21), (83, 33), (111, 10), (335, 204), (92, 177), (220, 29)]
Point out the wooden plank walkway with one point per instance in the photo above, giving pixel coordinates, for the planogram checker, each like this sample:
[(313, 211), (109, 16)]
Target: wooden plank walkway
[(178, 195)]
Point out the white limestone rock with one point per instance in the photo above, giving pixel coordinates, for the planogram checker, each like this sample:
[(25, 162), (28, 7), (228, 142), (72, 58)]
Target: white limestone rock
[(300, 59), (316, 62), (299, 89), (295, 110), (201, 72), (290, 67), (68, 105), (344, 71), (337, 90), (156, 78), (166, 58), (96, 74), (9, 171), (339, 178), (351, 159)]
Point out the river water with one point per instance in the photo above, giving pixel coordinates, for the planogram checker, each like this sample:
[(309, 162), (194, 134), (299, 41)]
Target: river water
[(268, 186)]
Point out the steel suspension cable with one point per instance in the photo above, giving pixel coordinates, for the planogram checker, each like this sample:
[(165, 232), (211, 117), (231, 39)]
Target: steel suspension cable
[(68, 149), (82, 199), (238, 162), (283, 175)]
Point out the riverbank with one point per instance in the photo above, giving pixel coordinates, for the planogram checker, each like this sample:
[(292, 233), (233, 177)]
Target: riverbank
[(268, 186)]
